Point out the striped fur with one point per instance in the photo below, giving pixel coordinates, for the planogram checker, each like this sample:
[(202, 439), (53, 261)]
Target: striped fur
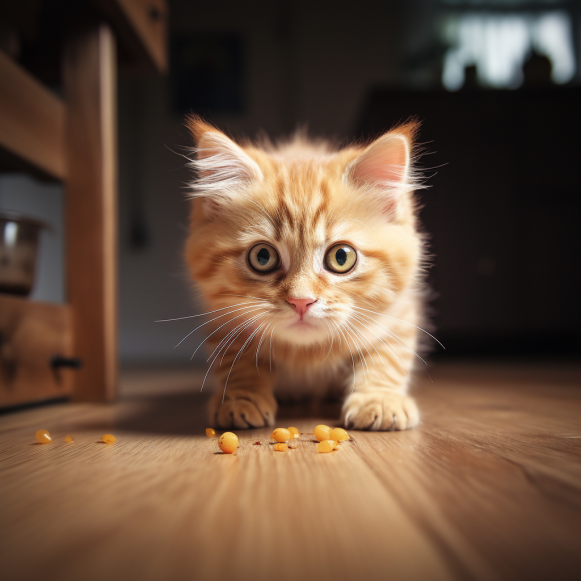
[(302, 198)]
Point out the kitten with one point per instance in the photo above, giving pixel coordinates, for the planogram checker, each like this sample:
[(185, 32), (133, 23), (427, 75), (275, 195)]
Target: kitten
[(309, 259)]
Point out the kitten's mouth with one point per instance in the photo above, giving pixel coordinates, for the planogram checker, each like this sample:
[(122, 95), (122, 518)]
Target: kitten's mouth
[(301, 324), (303, 331)]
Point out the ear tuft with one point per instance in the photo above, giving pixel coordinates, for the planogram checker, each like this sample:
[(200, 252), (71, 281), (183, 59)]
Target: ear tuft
[(222, 168), (384, 167)]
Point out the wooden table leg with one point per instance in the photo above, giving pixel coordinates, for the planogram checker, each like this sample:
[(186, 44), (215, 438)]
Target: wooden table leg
[(89, 75)]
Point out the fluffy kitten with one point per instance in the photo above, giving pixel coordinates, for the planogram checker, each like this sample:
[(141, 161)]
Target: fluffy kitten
[(310, 259)]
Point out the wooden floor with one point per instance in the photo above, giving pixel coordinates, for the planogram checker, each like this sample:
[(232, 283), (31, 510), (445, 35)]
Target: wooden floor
[(488, 487)]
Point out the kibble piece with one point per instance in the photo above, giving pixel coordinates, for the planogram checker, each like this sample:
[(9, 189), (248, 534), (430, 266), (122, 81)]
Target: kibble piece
[(293, 432), (210, 433), (339, 435), (281, 435), (326, 446), (109, 439), (280, 447), (43, 437), (322, 432), (228, 442), (69, 439)]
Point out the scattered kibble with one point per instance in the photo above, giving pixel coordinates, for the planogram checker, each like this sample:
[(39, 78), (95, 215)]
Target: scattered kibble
[(257, 444), (326, 446), (281, 435), (339, 435), (69, 439), (210, 433), (228, 442), (322, 432), (43, 437), (280, 447), (293, 432), (109, 439)]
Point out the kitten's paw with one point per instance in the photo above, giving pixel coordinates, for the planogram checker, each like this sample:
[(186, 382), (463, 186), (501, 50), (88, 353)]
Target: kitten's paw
[(379, 410), (242, 410)]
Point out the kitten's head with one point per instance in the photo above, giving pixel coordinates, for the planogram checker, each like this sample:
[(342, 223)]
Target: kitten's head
[(300, 236)]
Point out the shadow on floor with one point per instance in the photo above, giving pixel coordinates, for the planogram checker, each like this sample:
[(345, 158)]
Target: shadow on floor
[(184, 414)]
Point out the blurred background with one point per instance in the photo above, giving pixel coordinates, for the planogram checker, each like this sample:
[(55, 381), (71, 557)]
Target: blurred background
[(495, 83)]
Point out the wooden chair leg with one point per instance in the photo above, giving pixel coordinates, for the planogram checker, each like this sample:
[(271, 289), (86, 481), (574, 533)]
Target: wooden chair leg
[(89, 75)]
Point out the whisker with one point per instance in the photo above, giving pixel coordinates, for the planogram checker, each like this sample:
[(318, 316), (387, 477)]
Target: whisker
[(359, 318), (218, 317), (270, 349), (352, 360), (371, 232), (218, 353), (402, 342), (332, 339), (361, 321), (358, 333), (246, 296), (202, 314), (402, 321), (223, 325), (228, 335), (359, 352), (257, 204), (260, 345), (246, 325), (238, 355)]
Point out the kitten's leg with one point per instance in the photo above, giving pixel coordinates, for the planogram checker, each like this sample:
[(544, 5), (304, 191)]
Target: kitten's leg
[(247, 401), (378, 399)]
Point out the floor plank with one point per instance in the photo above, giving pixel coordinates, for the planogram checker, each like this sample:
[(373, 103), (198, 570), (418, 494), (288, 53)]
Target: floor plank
[(487, 487)]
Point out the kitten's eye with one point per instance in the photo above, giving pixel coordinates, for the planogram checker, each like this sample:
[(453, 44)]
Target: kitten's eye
[(340, 258), (263, 258)]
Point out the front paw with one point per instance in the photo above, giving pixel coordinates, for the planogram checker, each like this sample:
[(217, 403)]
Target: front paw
[(242, 409), (379, 410)]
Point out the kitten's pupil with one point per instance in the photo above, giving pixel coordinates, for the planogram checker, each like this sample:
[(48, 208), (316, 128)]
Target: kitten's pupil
[(263, 256), (341, 257)]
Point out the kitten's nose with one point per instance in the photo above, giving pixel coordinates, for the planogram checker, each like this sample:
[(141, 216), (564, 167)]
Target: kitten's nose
[(301, 305)]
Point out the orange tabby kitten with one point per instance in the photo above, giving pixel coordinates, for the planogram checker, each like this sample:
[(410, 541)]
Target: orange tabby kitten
[(309, 259)]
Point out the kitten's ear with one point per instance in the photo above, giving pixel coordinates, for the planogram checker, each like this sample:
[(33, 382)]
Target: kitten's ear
[(384, 168), (222, 168)]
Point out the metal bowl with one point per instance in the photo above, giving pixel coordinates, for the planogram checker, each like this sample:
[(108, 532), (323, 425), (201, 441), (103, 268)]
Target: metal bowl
[(18, 251)]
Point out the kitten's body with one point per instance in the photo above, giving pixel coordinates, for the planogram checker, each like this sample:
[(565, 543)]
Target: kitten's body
[(305, 326)]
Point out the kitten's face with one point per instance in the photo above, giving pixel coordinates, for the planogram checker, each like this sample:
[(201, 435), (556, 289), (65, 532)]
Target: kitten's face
[(304, 248)]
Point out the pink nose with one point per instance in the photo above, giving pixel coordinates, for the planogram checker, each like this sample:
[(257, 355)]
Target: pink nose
[(301, 305)]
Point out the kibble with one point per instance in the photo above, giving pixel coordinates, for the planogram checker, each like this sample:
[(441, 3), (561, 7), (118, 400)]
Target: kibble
[(43, 437), (210, 433), (280, 447), (326, 446), (228, 442), (69, 439), (281, 435), (109, 439), (339, 435), (293, 432), (322, 432)]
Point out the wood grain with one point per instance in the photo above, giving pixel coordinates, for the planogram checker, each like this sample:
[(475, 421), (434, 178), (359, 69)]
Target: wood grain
[(89, 75), (141, 27), (32, 120), (31, 333), (488, 487)]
